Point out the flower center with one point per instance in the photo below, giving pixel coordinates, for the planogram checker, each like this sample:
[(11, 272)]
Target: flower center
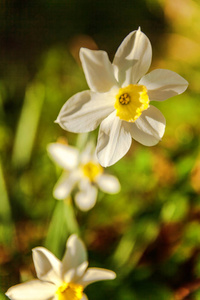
[(91, 170), (124, 99), (69, 291), (131, 101)]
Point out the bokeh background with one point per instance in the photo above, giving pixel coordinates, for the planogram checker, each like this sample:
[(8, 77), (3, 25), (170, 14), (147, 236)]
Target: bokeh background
[(149, 233)]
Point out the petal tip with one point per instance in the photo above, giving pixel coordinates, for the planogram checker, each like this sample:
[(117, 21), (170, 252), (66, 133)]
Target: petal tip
[(7, 294), (72, 240), (186, 84), (104, 163), (113, 275), (36, 249), (81, 51), (73, 236)]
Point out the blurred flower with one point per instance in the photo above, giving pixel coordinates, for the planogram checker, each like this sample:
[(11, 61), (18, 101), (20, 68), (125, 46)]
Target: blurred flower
[(82, 169), (119, 98), (60, 280)]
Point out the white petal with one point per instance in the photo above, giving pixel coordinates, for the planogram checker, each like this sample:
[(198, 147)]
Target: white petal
[(149, 128), (86, 198), (47, 266), (133, 58), (74, 274), (65, 156), (65, 185), (108, 183), (84, 297), (163, 84), (32, 290), (96, 274), (98, 70), (84, 111), (113, 141), (75, 258), (88, 153)]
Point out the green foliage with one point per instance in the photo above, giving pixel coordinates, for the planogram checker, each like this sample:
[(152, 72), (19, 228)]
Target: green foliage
[(149, 233)]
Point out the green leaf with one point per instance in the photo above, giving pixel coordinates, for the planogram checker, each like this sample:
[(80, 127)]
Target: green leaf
[(6, 224), (63, 223)]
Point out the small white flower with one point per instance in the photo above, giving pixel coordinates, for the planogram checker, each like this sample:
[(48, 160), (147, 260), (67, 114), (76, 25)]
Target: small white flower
[(81, 169), (60, 280), (119, 98)]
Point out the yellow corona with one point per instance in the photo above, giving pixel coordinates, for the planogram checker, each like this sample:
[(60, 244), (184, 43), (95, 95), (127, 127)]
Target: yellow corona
[(131, 101), (69, 291), (91, 170)]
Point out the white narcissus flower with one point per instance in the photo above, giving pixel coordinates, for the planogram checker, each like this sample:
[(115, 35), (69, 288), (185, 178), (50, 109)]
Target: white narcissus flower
[(60, 280), (82, 170), (119, 98)]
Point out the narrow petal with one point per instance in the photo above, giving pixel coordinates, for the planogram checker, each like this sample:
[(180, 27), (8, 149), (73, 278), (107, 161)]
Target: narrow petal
[(65, 185), (163, 84), (133, 58), (47, 266), (108, 183), (113, 141), (98, 70), (96, 274), (32, 290), (75, 259), (86, 198), (149, 128), (65, 156), (84, 111)]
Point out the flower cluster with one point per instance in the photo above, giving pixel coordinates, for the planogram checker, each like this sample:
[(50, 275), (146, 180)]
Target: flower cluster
[(119, 101)]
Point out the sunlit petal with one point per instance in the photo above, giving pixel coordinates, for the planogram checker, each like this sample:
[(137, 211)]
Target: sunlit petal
[(32, 290), (47, 266), (133, 58), (149, 128), (98, 70), (84, 111), (163, 84), (75, 258), (96, 274), (108, 183), (113, 141), (74, 274)]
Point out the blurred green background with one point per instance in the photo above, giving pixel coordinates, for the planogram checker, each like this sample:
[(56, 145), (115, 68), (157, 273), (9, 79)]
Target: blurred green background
[(149, 233)]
